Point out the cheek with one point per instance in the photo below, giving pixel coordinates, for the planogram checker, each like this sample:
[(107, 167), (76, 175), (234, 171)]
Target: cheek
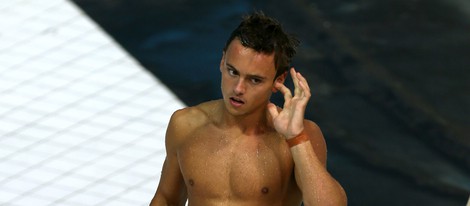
[(224, 79), (262, 93), (222, 84), (225, 83)]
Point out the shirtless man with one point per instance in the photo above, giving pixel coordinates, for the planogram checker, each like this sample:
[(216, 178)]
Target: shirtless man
[(242, 149)]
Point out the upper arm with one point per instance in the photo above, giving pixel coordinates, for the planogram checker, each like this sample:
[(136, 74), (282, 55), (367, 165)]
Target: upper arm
[(171, 189), (316, 140)]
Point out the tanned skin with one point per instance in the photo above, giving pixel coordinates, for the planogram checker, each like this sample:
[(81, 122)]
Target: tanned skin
[(233, 151)]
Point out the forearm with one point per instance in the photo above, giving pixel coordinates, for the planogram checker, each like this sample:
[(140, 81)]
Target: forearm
[(158, 200), (161, 200), (317, 185)]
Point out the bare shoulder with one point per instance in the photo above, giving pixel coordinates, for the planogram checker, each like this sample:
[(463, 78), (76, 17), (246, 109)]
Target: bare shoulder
[(188, 118), (312, 128), (316, 139), (192, 116), (185, 121)]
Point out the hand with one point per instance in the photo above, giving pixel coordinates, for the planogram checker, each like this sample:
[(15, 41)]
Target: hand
[(290, 120)]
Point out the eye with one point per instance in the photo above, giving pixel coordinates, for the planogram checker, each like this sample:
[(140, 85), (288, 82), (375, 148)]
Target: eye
[(256, 81), (232, 72)]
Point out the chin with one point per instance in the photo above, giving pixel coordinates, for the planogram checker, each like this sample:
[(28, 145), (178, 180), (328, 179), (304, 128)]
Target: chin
[(232, 110)]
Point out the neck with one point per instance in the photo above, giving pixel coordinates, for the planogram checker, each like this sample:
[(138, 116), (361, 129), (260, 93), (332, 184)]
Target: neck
[(254, 123)]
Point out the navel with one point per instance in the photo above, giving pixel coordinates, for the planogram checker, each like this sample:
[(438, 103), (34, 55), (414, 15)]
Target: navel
[(265, 190), (191, 182)]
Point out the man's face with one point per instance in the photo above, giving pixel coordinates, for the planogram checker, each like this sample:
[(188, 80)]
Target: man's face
[(247, 79)]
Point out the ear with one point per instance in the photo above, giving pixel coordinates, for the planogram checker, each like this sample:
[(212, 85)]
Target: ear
[(281, 78), (222, 61)]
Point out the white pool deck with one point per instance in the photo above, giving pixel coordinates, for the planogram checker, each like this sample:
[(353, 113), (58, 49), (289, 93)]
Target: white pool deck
[(81, 122)]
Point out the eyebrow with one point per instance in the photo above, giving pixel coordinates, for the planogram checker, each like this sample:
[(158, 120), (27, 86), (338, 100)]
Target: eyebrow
[(248, 75)]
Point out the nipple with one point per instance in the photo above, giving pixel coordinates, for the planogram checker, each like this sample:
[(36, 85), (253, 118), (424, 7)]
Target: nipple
[(265, 190), (191, 182)]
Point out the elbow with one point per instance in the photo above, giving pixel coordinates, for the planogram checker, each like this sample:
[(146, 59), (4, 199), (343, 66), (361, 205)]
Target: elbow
[(338, 199), (343, 198), (336, 202), (160, 200)]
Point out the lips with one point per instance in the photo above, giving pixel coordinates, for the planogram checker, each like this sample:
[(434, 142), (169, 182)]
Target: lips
[(237, 102)]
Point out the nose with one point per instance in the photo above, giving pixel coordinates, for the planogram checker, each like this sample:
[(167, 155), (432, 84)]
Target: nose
[(239, 88)]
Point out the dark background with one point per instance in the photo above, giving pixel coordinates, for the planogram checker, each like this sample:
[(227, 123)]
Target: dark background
[(390, 80)]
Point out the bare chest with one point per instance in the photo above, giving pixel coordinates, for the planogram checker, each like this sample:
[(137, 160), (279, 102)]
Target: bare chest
[(218, 165)]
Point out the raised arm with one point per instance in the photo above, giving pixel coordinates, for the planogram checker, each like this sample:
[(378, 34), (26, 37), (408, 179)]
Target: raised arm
[(308, 147), (171, 189), (317, 185)]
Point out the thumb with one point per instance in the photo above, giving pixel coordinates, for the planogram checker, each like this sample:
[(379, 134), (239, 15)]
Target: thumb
[(272, 109)]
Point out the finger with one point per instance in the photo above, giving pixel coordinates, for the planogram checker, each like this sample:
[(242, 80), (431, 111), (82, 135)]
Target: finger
[(298, 91), (304, 85), (284, 90), (293, 74), (306, 94)]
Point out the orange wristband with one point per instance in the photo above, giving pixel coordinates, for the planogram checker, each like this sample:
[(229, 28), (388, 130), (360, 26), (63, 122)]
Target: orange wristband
[(302, 137)]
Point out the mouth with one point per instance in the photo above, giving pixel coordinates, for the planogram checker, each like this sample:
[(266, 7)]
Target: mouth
[(236, 101)]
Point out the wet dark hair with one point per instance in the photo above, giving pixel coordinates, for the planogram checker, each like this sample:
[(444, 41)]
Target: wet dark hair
[(265, 35)]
